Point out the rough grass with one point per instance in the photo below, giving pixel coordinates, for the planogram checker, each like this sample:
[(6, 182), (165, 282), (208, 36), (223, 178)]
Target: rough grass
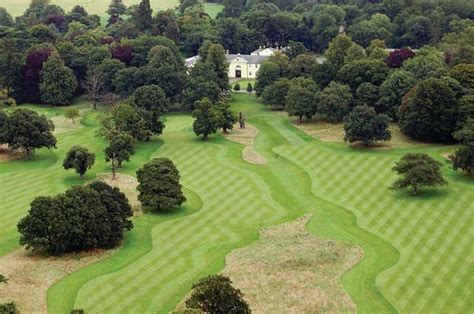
[(424, 242), (289, 270)]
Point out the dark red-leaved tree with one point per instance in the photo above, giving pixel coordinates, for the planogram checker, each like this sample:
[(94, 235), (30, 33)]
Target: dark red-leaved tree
[(31, 73), (396, 58), (123, 53)]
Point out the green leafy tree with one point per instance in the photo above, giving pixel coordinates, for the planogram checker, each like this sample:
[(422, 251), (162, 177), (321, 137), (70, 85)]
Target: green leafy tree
[(429, 111), (143, 16), (377, 27), (200, 83), (25, 129), (228, 117), (216, 59), (215, 294), (72, 114), (268, 73), (337, 51), (5, 100), (153, 103), (159, 185), (463, 158), (363, 71), (426, 64), (58, 83), (367, 94), (302, 98), (121, 148), (124, 118), (363, 124), (275, 94), (208, 118), (85, 217), (335, 102), (5, 18), (302, 65), (464, 74), (392, 91), (80, 159), (418, 170)]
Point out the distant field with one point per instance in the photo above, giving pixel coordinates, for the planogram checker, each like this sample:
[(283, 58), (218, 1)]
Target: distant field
[(17, 7)]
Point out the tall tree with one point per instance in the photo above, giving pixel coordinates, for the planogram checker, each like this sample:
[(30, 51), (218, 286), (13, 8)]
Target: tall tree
[(94, 86), (80, 159), (228, 117), (25, 129), (302, 98), (216, 60), (335, 102), (159, 185), (58, 83), (143, 16), (208, 118), (116, 9), (152, 103)]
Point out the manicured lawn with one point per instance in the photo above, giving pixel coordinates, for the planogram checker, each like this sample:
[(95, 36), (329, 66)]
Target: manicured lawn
[(213, 9), (417, 250), (243, 83)]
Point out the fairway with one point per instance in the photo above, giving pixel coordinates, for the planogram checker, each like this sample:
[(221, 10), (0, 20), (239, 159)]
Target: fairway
[(99, 7), (417, 255)]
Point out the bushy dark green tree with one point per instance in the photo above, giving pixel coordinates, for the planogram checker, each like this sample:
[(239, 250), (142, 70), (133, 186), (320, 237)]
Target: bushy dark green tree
[(125, 119), (5, 18), (335, 102), (249, 88), (363, 71), (429, 111), (208, 118), (215, 294), (200, 84), (302, 98), (463, 158), (392, 91), (27, 130), (153, 103), (268, 73), (159, 185), (275, 94), (418, 170), (364, 125), (237, 87), (85, 217), (58, 83), (142, 16), (80, 159)]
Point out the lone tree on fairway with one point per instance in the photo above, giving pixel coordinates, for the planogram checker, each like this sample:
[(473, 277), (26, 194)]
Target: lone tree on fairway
[(80, 159), (159, 185), (215, 294), (418, 170), (121, 148), (25, 129), (72, 114), (85, 217), (208, 118), (463, 158), (228, 118), (363, 124)]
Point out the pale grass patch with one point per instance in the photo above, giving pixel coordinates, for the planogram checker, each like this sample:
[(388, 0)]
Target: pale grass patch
[(63, 124), (247, 138), (127, 185), (30, 275), (8, 154), (289, 270)]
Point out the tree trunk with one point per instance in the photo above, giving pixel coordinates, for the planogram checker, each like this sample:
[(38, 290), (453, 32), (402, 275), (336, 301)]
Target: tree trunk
[(301, 119), (415, 191), (204, 137), (28, 153), (113, 166)]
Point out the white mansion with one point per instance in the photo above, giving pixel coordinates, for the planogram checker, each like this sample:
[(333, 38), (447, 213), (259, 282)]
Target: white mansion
[(242, 66)]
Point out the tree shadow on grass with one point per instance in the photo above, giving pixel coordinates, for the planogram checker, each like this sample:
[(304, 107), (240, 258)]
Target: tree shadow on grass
[(429, 193)]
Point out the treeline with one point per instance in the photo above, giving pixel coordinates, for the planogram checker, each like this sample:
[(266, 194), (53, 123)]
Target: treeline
[(429, 95)]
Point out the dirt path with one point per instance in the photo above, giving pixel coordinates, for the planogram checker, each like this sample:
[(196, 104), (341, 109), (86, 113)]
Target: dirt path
[(247, 137)]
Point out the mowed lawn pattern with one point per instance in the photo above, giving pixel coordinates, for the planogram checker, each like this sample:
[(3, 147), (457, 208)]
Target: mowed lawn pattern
[(433, 232)]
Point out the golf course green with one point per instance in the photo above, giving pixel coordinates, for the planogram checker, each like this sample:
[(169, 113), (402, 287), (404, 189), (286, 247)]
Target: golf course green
[(417, 250)]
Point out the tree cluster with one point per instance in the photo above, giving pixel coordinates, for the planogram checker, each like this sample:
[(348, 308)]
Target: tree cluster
[(84, 217)]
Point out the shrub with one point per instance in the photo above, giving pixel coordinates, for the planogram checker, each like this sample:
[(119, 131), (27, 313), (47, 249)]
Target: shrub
[(237, 87), (8, 308), (80, 159), (215, 294)]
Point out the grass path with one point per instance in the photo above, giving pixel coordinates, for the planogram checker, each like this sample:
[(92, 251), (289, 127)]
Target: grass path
[(417, 254)]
